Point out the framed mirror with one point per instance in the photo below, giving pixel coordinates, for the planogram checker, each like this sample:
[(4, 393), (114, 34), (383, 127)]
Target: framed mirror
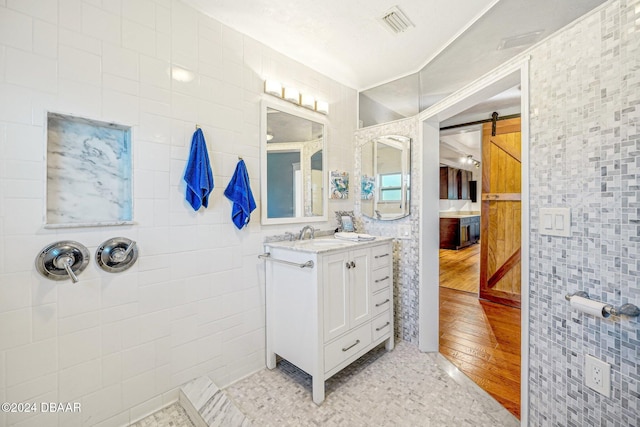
[(293, 152), (386, 177)]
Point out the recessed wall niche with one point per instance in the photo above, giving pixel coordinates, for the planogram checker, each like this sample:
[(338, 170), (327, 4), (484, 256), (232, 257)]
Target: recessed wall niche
[(88, 172)]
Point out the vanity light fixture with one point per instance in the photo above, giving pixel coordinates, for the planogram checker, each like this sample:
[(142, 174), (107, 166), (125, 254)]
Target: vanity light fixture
[(322, 107), (273, 87), (293, 95), (308, 101)]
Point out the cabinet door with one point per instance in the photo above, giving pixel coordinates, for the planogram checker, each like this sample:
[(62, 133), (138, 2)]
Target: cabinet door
[(359, 287), (335, 298), (453, 182), (444, 182), (464, 178)]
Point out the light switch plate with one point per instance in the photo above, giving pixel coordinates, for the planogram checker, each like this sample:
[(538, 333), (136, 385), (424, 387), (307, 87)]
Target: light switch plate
[(404, 231), (555, 221)]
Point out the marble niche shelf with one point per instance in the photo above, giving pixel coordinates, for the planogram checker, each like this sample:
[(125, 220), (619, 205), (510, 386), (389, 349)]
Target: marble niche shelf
[(89, 168)]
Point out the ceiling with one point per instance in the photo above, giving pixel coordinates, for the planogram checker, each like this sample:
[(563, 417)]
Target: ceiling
[(457, 40), (344, 39)]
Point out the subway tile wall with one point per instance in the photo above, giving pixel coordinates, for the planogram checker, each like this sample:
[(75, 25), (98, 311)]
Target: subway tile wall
[(585, 155), (193, 304)]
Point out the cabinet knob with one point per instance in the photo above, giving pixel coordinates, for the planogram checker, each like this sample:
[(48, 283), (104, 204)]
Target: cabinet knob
[(353, 264), (348, 265)]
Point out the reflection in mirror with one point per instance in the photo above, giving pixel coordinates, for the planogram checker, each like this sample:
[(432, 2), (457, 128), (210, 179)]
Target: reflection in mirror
[(293, 178), (385, 179)]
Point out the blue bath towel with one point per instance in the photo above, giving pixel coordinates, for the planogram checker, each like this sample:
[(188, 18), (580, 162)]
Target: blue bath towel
[(198, 175), (239, 192)]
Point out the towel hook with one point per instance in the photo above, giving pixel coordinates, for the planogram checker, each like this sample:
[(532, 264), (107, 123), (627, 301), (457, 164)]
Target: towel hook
[(197, 126)]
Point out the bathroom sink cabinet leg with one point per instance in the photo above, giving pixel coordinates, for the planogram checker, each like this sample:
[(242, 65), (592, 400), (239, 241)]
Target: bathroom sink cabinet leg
[(321, 319)]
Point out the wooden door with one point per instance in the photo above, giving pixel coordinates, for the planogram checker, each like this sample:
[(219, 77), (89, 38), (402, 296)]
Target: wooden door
[(500, 213)]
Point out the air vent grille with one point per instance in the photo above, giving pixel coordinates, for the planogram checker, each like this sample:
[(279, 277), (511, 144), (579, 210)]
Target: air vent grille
[(396, 21)]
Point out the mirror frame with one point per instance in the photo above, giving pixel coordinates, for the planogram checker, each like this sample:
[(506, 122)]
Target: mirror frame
[(406, 175), (301, 112)]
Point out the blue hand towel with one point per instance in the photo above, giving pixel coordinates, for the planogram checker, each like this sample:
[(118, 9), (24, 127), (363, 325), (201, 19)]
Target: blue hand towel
[(198, 175), (239, 192)]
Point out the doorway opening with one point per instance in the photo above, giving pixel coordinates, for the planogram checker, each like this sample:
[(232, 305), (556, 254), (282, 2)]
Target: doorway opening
[(456, 311), (480, 337)]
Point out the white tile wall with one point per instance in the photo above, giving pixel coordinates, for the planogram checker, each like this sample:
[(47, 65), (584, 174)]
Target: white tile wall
[(193, 304)]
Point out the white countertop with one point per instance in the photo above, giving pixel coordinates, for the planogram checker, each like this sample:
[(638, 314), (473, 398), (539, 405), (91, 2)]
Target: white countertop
[(460, 214), (324, 244)]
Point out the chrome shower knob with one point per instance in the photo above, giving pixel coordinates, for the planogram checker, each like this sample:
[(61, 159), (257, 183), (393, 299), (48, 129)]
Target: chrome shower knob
[(117, 254), (62, 260)]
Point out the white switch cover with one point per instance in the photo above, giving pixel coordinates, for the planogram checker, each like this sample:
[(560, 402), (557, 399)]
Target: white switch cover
[(555, 221), (404, 231)]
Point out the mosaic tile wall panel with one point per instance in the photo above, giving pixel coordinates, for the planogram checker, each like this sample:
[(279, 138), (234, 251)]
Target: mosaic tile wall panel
[(405, 256), (585, 155)]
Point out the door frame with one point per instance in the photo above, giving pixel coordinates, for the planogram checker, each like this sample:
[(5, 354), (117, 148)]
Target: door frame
[(508, 75)]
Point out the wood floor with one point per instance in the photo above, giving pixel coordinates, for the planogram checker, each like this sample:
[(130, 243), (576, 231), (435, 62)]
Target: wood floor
[(460, 269), (480, 337)]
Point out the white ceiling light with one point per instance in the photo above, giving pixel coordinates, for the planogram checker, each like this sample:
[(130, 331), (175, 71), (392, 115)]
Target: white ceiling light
[(396, 21)]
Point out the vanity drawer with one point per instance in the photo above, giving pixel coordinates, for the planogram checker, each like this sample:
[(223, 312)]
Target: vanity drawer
[(346, 346), (381, 326), (381, 279), (381, 256), (382, 302)]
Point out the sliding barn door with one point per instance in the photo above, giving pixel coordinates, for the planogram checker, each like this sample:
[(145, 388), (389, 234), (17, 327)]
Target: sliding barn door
[(500, 213)]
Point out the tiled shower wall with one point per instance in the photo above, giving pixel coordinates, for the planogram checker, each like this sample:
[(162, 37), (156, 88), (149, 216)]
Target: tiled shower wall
[(405, 252), (193, 304), (585, 155)]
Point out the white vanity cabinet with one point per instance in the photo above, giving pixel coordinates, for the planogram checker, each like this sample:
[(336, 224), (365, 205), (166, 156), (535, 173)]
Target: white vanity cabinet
[(322, 318)]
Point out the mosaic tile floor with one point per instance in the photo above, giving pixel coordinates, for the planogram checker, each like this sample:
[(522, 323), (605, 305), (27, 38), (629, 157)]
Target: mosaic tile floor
[(400, 388), (171, 416)]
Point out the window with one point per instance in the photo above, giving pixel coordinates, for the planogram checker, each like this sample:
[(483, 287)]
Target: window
[(391, 187)]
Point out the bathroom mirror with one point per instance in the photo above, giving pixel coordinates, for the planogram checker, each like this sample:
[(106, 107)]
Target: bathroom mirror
[(293, 166), (385, 178)]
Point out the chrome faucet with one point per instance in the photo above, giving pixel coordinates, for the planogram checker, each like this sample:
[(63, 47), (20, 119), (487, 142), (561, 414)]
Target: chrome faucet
[(304, 230)]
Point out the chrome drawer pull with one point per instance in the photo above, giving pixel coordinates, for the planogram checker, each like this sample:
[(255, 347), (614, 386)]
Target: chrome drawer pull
[(384, 278), (382, 327), (380, 256), (383, 302), (351, 346)]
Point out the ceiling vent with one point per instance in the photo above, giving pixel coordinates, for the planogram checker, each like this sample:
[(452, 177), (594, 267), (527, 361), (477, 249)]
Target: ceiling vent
[(520, 40), (396, 21)]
